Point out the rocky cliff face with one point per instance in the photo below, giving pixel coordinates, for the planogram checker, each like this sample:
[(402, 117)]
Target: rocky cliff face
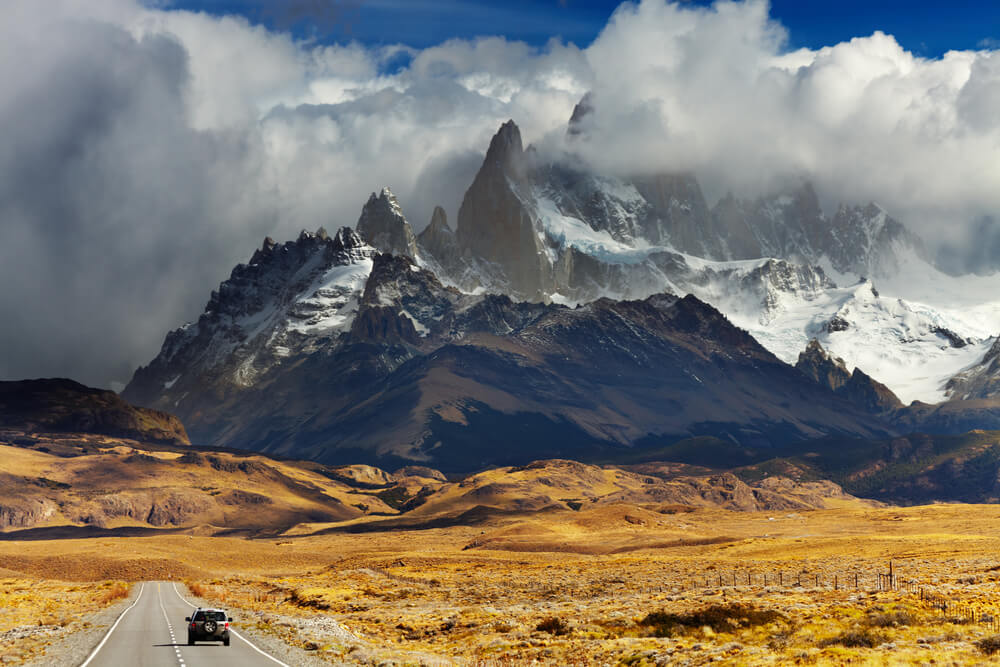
[(680, 215), (25, 512), (858, 387), (383, 226), (495, 223), (439, 241), (788, 225), (982, 381), (867, 241)]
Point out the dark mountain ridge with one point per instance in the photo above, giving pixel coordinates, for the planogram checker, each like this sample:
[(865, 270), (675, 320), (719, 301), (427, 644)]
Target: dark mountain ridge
[(426, 373), (60, 405)]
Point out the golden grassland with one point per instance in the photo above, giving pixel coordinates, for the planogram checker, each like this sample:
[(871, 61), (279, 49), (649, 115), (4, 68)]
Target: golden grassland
[(611, 584), (33, 612)]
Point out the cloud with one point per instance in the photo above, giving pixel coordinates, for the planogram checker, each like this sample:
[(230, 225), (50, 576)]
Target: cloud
[(714, 90), (148, 150)]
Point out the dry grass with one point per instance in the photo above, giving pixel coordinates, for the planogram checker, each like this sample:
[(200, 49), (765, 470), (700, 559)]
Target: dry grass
[(413, 596), (35, 613), (117, 591)]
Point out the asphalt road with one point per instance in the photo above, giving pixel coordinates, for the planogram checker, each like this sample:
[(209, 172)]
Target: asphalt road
[(152, 633)]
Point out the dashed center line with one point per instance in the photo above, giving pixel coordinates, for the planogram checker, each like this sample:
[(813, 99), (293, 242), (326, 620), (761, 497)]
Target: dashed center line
[(170, 627)]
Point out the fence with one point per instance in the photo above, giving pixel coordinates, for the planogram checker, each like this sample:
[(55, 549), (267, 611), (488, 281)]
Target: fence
[(842, 581), (870, 581)]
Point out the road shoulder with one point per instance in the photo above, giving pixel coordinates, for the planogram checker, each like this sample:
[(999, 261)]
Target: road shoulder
[(73, 648)]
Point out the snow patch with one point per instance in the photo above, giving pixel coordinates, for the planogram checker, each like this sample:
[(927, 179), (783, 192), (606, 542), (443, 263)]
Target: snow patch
[(568, 232)]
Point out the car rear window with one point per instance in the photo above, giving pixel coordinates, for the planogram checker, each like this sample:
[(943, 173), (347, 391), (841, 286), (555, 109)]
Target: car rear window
[(210, 616)]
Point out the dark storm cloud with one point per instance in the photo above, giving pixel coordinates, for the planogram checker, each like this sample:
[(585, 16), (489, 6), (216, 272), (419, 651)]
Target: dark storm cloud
[(109, 201)]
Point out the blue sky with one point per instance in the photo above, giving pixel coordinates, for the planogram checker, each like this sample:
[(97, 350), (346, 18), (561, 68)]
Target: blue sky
[(926, 27)]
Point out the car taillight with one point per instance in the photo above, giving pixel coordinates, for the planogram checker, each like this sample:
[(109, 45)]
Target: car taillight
[(192, 624)]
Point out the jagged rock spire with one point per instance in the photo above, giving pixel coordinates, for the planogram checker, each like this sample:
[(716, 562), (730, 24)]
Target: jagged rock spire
[(383, 225), (583, 109), (506, 150), (438, 240), (347, 238), (494, 223)]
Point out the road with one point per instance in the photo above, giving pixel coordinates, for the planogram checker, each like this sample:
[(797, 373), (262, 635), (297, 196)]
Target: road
[(152, 633)]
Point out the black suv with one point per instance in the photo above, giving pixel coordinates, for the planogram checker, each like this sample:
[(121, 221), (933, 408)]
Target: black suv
[(209, 625)]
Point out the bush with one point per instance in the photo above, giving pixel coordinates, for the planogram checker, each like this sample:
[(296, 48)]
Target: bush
[(721, 618), (863, 638), (990, 645), (117, 591), (196, 589), (891, 619), (553, 625)]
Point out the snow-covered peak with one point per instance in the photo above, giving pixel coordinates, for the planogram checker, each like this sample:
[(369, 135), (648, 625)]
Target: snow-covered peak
[(291, 299)]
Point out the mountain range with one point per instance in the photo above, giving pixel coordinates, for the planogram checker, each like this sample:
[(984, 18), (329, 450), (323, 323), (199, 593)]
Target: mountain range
[(579, 315)]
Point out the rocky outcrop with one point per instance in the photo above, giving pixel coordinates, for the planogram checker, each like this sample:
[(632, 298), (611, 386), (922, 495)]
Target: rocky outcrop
[(25, 512), (384, 227), (866, 240), (680, 217), (61, 406), (982, 381), (291, 299), (863, 240), (870, 394), (817, 364), (439, 240), (788, 225), (858, 387)]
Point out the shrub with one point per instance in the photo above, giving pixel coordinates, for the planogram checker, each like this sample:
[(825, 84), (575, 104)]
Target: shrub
[(990, 645), (721, 618), (117, 591), (553, 625), (891, 619), (862, 638), (196, 589)]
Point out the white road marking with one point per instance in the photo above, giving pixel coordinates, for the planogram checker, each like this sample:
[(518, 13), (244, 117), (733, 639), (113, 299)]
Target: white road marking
[(170, 626), (112, 629), (232, 631)]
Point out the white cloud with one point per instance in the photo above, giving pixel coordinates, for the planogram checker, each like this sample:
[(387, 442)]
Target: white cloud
[(148, 149), (712, 90)]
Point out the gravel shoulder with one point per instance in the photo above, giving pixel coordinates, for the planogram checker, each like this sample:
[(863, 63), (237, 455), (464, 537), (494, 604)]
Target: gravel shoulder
[(72, 644)]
